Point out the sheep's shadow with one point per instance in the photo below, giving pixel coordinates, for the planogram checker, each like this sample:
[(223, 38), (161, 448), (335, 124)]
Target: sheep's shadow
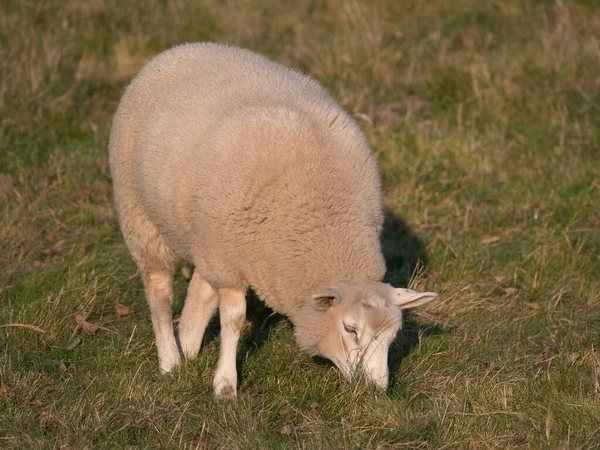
[(411, 336), (404, 253), (403, 250), (263, 319)]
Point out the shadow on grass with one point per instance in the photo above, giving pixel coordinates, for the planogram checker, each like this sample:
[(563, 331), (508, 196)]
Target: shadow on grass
[(404, 253), (403, 250), (411, 336), (263, 319)]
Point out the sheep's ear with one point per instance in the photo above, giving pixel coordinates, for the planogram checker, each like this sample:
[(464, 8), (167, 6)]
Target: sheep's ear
[(407, 298), (327, 299)]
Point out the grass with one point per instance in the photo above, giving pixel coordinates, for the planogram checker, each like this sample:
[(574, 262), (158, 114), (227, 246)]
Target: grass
[(485, 118)]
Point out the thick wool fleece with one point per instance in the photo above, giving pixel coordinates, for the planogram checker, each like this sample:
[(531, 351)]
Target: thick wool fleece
[(251, 171)]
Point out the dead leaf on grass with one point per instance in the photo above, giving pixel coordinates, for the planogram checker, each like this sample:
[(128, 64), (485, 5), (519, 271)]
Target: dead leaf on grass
[(123, 310), (545, 355), (3, 389), (48, 416), (520, 439), (82, 193), (511, 291), (62, 366), (286, 430), (490, 240), (89, 328), (253, 391), (32, 265), (55, 248), (73, 344)]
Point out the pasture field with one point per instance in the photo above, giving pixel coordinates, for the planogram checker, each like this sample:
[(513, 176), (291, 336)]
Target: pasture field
[(485, 119)]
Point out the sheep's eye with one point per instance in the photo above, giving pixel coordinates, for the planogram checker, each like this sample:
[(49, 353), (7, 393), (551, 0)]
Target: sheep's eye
[(349, 329)]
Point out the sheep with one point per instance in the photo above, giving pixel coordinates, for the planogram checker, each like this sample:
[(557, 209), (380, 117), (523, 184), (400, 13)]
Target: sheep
[(252, 172)]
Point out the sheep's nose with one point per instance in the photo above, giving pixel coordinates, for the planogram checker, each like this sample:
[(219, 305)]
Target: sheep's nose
[(382, 382), (380, 379)]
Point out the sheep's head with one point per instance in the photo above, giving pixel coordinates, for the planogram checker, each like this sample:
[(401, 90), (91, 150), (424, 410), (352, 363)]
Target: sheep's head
[(364, 319)]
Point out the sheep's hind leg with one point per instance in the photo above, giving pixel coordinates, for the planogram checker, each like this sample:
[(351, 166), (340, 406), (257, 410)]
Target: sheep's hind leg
[(200, 304), (232, 309), (159, 293), (155, 261)]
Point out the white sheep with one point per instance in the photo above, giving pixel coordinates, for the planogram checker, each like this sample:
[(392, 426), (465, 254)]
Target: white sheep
[(251, 171)]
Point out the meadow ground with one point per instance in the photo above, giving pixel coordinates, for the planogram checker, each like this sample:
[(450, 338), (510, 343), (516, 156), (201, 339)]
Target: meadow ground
[(485, 119)]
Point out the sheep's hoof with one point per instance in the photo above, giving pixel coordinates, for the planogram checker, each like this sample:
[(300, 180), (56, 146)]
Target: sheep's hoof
[(190, 352), (225, 389), (190, 347), (167, 365)]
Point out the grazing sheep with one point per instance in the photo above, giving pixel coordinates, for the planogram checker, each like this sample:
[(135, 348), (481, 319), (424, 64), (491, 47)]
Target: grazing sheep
[(251, 171)]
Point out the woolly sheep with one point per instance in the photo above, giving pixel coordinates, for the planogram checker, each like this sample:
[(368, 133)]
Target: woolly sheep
[(252, 172)]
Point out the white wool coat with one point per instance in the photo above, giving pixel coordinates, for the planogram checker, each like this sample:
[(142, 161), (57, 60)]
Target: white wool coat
[(251, 171)]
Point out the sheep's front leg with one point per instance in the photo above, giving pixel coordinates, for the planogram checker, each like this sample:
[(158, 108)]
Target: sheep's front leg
[(200, 304), (159, 293), (232, 309)]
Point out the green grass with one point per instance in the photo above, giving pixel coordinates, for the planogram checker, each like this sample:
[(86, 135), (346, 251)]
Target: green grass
[(485, 118)]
